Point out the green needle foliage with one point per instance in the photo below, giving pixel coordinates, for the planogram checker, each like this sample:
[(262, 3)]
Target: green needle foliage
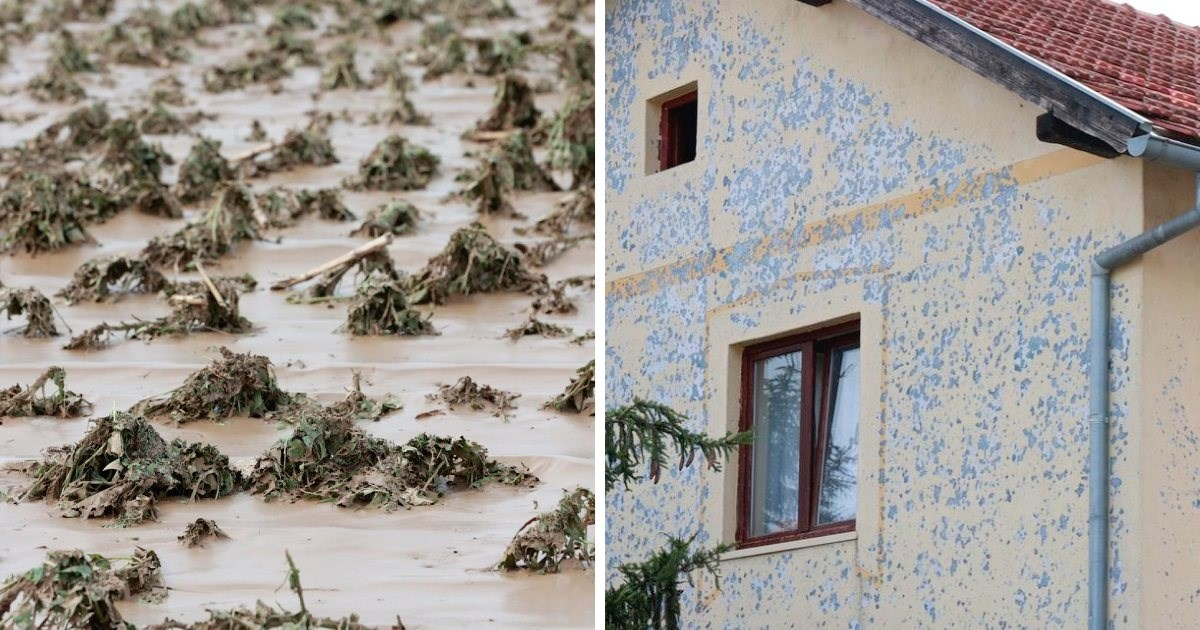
[(634, 435), (649, 595), (640, 433)]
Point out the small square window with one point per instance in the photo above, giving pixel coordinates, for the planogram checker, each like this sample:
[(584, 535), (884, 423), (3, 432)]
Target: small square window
[(677, 131), (799, 477)]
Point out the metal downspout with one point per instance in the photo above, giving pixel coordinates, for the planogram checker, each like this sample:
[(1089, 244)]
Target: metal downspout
[(1153, 148)]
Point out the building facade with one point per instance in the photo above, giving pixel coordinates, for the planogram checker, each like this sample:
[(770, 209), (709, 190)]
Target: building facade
[(844, 173)]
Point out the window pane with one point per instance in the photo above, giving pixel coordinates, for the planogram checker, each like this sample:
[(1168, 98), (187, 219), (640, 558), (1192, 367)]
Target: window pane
[(775, 459), (839, 471)]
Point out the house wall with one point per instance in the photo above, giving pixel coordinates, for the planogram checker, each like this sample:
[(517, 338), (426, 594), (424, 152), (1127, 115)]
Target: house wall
[(846, 169), (1170, 479)]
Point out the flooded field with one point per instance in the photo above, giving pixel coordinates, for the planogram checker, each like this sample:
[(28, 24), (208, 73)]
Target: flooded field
[(431, 566)]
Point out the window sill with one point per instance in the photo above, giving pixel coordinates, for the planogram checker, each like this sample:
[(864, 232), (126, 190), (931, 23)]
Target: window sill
[(788, 546)]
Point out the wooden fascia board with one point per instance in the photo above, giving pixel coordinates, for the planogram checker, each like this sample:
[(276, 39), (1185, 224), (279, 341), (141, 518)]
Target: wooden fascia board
[(997, 63)]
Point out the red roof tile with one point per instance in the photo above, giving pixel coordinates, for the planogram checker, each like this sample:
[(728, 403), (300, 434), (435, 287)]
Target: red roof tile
[(1147, 63)]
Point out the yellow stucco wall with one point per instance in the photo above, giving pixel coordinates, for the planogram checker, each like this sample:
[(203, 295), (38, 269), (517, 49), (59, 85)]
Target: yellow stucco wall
[(845, 169)]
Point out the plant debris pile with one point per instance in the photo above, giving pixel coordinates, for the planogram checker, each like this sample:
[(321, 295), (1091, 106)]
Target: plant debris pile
[(122, 459), (39, 315), (299, 147), (377, 263), (33, 401), (490, 186), (551, 538), (282, 207), (258, 66), (472, 262), (328, 458), (267, 616), (195, 306), (577, 208), (580, 394), (202, 171), (43, 211), (573, 139), (357, 406), (478, 397), (381, 308), (543, 253), (102, 279), (396, 217), (201, 531), (503, 53), (517, 151), (71, 589), (512, 106), (227, 223), (233, 384), (395, 164), (340, 71), (441, 50), (400, 109), (534, 326)]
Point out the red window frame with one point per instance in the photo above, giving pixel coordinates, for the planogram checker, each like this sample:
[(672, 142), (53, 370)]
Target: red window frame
[(668, 132), (814, 424)]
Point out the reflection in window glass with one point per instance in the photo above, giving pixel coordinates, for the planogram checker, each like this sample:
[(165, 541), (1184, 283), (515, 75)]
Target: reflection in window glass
[(839, 491), (775, 478)]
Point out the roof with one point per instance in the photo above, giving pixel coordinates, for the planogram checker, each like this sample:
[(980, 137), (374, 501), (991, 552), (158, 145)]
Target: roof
[(1146, 63)]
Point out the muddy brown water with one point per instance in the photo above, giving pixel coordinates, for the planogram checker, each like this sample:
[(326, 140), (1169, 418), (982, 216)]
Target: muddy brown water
[(432, 565)]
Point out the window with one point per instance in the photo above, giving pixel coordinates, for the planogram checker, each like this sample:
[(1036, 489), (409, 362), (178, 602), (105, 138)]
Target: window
[(799, 477), (677, 131)]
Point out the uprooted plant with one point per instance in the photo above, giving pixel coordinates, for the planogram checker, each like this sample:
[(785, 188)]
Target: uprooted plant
[(34, 401), (577, 208), (536, 327), (210, 305), (43, 211), (123, 459), (380, 307), (472, 262), (328, 458), (478, 397), (72, 589), (512, 106), (232, 384), (268, 616), (202, 171), (358, 406), (102, 279), (490, 185), (395, 164), (547, 540), (396, 217), (298, 147), (442, 50), (573, 139), (231, 220), (200, 531), (340, 71), (39, 314), (580, 395)]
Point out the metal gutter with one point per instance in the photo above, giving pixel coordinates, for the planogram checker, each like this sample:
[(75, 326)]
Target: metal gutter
[(1098, 374)]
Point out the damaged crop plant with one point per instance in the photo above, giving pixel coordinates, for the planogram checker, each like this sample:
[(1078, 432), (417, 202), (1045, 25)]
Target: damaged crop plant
[(122, 466), (328, 458), (472, 262), (73, 589)]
